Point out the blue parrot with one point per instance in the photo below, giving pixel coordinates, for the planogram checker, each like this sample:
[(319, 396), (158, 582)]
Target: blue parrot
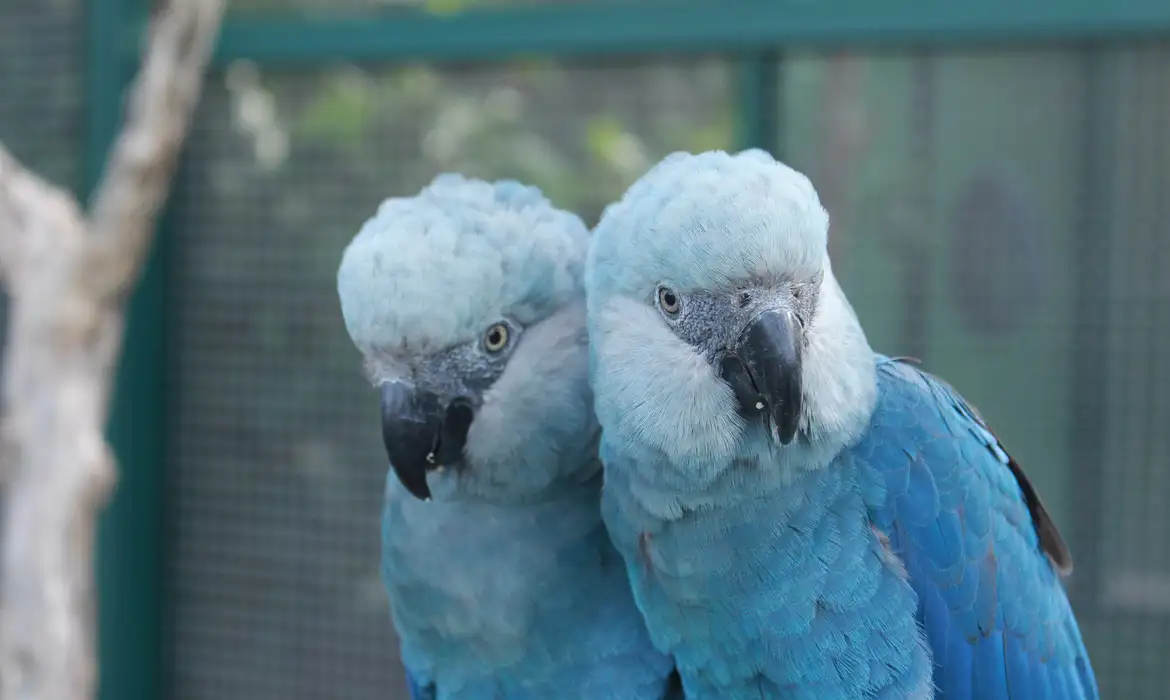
[(467, 305), (802, 517)]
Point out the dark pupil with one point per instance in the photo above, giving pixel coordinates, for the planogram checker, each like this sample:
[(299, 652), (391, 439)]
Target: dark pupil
[(668, 299), (494, 337)]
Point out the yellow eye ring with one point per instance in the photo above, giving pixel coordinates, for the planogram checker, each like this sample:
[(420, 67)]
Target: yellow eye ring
[(668, 300), (496, 338)]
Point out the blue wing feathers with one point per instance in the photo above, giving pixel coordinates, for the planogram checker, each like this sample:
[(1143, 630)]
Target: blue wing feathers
[(1022, 681), (987, 598), (990, 668), (920, 504), (1085, 671), (952, 677), (418, 691), (978, 546)]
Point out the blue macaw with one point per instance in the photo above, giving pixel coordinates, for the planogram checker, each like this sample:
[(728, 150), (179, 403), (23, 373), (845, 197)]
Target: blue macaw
[(466, 302), (802, 517)]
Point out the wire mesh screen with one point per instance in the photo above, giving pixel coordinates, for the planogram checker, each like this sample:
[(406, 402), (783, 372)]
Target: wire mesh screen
[(40, 85), (276, 464), (40, 81), (1133, 516)]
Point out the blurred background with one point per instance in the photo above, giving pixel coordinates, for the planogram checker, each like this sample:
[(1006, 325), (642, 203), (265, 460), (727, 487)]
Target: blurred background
[(997, 176)]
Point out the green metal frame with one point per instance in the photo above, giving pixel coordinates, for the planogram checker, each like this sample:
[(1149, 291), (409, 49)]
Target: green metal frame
[(130, 559), (684, 26)]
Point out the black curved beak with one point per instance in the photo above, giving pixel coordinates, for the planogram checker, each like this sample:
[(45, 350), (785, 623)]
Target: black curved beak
[(764, 371), (421, 434)]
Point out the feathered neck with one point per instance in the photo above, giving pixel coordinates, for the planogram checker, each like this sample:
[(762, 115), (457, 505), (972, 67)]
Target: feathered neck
[(840, 375)]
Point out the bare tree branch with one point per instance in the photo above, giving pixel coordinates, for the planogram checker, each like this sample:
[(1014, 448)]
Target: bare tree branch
[(26, 203), (67, 280), (143, 158)]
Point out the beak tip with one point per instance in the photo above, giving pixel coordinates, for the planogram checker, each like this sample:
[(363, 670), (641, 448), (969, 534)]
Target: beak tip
[(415, 487), (411, 422)]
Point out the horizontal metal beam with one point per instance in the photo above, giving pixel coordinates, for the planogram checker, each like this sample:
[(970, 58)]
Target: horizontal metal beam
[(609, 28)]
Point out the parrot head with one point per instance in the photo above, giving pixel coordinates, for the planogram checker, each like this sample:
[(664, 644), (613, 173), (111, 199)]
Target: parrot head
[(466, 303), (713, 310)]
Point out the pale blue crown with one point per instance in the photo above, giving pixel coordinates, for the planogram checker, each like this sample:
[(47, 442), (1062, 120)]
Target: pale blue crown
[(701, 221), (404, 279)]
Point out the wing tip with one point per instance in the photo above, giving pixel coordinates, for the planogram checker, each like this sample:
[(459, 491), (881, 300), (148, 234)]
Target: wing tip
[(1051, 543), (1053, 546)]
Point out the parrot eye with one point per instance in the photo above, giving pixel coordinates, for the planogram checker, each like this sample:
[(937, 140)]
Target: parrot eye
[(668, 300), (496, 338)]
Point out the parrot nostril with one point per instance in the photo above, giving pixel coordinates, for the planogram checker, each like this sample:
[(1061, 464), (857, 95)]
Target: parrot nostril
[(744, 299)]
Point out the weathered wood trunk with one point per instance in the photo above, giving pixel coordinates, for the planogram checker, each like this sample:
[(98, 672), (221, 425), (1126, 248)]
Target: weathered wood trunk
[(68, 276)]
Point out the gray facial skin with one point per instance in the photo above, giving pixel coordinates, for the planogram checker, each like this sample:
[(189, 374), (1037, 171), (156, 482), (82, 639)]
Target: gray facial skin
[(754, 336), (428, 409)]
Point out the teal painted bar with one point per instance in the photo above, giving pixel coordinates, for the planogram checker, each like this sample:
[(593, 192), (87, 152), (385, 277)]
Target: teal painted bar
[(732, 25), (759, 106), (129, 532)]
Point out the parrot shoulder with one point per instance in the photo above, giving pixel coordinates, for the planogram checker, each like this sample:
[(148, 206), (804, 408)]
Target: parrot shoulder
[(981, 551), (1051, 542)]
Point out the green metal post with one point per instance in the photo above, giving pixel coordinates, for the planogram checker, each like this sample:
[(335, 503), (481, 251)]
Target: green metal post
[(759, 101), (129, 537)]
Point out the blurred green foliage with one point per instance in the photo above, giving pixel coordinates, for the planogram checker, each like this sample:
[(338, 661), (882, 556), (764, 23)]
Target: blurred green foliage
[(450, 121)]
